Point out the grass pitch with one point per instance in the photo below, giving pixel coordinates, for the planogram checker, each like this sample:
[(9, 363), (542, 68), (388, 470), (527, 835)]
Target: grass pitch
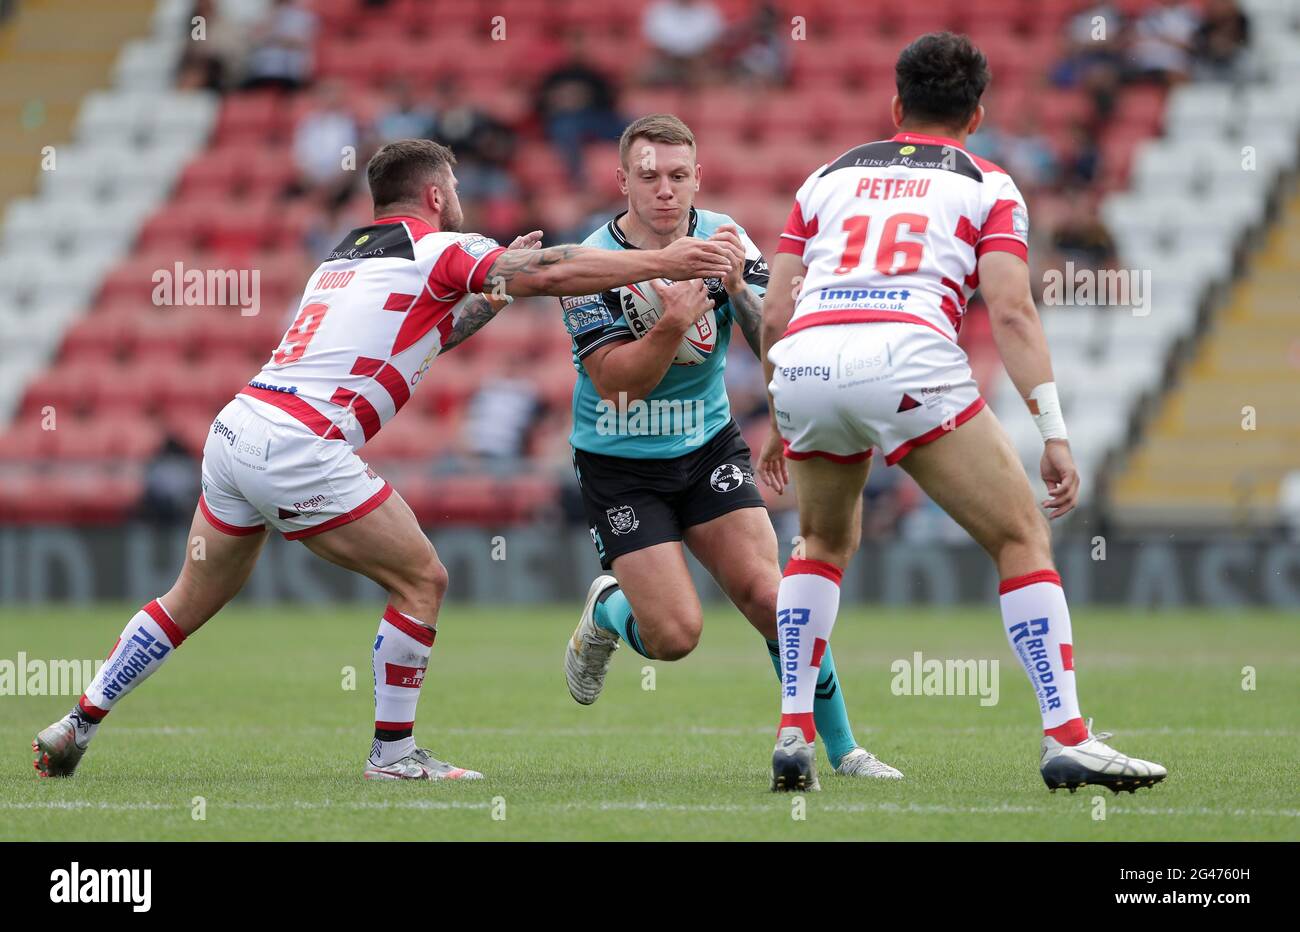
[(252, 716)]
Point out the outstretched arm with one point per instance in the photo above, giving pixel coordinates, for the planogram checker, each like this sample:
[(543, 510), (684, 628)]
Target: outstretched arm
[(479, 309), (574, 270)]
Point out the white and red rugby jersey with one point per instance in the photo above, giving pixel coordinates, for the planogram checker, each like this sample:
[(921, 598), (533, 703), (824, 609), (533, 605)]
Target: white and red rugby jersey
[(373, 317), (891, 231)]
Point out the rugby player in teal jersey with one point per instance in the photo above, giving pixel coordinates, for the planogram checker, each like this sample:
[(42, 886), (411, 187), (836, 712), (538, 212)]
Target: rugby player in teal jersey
[(674, 470)]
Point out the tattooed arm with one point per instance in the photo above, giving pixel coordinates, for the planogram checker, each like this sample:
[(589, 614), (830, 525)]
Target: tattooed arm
[(476, 312), (480, 308), (746, 305), (573, 270), (747, 308)]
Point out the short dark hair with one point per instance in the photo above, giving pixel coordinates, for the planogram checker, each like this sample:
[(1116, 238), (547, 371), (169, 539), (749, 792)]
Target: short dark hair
[(941, 77), (400, 170)]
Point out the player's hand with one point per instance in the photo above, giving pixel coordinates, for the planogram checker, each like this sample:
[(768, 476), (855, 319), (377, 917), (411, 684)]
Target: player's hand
[(688, 258), (771, 463), (729, 236), (683, 303), (531, 240), (1061, 477)]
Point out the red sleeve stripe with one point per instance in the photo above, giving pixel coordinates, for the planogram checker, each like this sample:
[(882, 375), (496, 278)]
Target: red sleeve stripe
[(801, 567), (796, 226), (1003, 243), (999, 219), (421, 633), (789, 246), (1029, 579), (159, 614), (478, 274), (797, 232)]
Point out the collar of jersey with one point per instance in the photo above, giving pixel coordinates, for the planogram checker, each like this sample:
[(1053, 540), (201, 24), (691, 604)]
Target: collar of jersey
[(616, 232), (928, 140), (399, 219)]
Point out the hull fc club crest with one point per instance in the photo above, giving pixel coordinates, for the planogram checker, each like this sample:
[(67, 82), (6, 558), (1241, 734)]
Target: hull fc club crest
[(622, 520)]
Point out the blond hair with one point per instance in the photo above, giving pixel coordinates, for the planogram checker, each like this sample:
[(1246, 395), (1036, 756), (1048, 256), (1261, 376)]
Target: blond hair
[(657, 127)]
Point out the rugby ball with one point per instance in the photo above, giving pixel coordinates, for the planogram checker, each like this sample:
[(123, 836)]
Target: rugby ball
[(641, 309)]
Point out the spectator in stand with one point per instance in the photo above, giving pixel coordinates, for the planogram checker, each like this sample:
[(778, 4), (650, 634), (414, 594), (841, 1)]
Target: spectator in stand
[(1082, 238), (282, 47), (1221, 41), (1161, 50), (1092, 41), (405, 117), (170, 485), (484, 146), (1094, 59), (326, 138), (1024, 152), (1082, 163), (762, 56), (577, 104), (210, 58), (683, 34), (498, 422)]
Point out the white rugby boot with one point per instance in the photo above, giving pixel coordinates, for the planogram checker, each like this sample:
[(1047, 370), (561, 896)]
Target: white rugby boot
[(418, 765), (862, 763), (1093, 763), (588, 652), (60, 746)]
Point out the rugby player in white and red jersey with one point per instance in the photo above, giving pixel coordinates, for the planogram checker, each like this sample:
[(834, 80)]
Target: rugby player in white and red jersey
[(883, 248), (282, 454)]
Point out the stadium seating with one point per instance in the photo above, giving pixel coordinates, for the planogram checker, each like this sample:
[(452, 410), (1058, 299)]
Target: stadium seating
[(1196, 194)]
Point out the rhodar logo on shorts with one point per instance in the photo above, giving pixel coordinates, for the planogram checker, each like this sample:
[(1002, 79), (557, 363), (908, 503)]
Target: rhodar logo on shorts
[(397, 675)]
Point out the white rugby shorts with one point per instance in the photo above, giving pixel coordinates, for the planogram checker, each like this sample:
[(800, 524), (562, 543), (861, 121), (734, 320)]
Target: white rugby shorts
[(258, 471), (841, 389)]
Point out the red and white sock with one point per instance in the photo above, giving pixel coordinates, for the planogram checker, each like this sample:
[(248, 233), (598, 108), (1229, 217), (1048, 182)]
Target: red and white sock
[(400, 657), (1037, 622), (146, 642), (806, 604)]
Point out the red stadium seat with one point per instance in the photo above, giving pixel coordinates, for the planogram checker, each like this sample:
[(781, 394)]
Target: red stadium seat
[(26, 441)]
